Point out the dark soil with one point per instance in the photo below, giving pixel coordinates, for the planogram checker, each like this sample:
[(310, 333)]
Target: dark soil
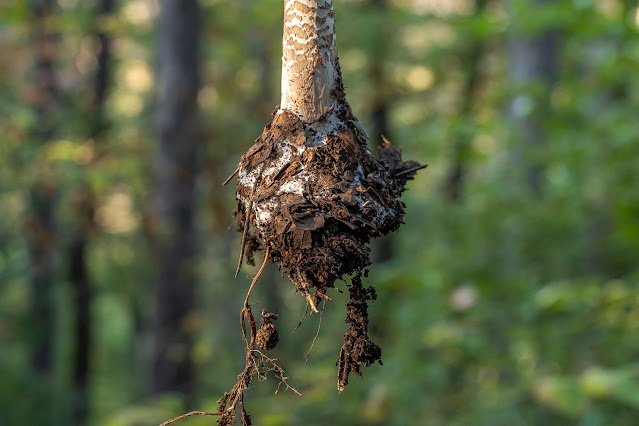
[(358, 349), (316, 198), (267, 336)]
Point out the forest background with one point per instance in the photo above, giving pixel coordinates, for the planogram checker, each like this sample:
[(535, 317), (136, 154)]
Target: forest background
[(510, 296)]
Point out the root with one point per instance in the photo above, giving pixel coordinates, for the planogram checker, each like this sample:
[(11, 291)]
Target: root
[(192, 413), (246, 309), (309, 299), (319, 326), (303, 316), (258, 364), (266, 253), (243, 244)]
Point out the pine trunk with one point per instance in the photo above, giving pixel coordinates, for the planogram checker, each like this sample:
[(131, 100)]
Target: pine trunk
[(176, 165), (454, 184)]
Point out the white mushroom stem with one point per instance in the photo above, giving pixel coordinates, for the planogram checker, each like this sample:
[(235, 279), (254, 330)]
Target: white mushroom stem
[(310, 72)]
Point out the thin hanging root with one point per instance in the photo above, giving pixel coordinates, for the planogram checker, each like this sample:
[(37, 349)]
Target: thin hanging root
[(309, 299), (324, 296), (341, 369), (245, 314), (266, 253), (246, 309), (308, 354), (228, 179), (303, 316)]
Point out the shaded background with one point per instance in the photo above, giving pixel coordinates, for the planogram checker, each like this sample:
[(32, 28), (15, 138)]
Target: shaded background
[(509, 297)]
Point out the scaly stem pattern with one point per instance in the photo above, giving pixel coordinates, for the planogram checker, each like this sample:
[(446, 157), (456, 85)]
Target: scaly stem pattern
[(311, 80)]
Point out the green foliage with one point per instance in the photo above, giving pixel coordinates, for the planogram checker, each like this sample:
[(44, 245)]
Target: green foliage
[(506, 307)]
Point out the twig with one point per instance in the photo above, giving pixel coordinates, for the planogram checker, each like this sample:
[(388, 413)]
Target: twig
[(323, 296), (275, 369), (412, 169), (228, 179), (308, 354), (246, 226), (243, 316), (192, 413), (303, 316)]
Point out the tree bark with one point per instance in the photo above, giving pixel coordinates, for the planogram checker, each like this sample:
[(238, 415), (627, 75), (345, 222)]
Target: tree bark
[(176, 161), (40, 226)]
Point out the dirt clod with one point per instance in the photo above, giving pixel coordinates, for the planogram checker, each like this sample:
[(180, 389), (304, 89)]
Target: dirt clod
[(315, 195), (267, 336), (358, 348)]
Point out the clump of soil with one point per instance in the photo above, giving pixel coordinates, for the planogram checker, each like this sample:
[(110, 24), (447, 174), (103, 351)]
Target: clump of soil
[(315, 196), (358, 348), (267, 336)]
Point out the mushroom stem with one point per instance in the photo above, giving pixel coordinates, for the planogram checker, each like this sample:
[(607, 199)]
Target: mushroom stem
[(311, 79)]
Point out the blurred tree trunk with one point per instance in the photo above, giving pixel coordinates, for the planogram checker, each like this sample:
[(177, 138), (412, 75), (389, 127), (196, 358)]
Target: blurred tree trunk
[(533, 68), (379, 83), (471, 57), (382, 247), (173, 215), (77, 251), (40, 224)]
